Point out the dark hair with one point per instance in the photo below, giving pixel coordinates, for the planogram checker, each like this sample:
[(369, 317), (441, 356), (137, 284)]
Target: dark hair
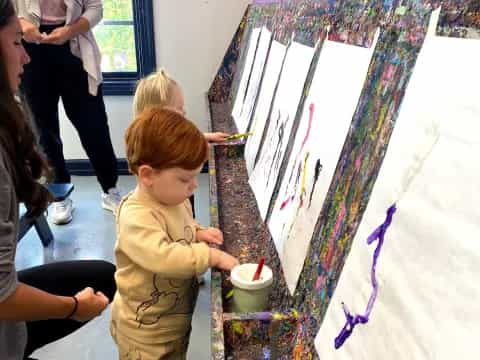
[(24, 161), (6, 12)]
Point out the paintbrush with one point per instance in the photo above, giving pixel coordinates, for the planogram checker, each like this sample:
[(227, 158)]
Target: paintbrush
[(256, 276), (239, 136)]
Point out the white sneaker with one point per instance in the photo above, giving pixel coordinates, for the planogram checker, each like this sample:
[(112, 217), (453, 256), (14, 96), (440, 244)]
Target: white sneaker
[(111, 200), (62, 211)]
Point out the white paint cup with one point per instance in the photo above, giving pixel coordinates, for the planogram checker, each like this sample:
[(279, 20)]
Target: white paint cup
[(248, 295)]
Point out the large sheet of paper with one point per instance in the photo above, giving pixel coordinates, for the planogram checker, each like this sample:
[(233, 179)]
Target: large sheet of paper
[(286, 102), (243, 118), (328, 112), (247, 68), (270, 79), (428, 299)]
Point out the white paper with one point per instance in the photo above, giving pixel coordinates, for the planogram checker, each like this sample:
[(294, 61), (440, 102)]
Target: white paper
[(243, 118), (329, 108), (247, 68), (270, 79), (428, 301), (286, 102)]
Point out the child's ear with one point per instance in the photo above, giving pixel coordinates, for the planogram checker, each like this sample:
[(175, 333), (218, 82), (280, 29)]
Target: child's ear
[(145, 175)]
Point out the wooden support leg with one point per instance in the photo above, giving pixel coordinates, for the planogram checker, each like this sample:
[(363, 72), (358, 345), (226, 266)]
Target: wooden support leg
[(43, 230)]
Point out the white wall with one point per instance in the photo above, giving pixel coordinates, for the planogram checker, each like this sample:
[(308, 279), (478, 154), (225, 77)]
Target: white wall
[(119, 110), (191, 37)]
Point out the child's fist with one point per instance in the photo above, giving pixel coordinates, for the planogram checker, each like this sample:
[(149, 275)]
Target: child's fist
[(222, 260), (227, 262), (210, 236)]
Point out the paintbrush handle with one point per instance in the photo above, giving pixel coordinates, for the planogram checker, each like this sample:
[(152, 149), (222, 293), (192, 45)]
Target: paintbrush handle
[(256, 276), (238, 136)]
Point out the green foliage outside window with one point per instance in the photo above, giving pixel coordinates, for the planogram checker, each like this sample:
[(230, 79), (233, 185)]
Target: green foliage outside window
[(117, 10), (117, 42)]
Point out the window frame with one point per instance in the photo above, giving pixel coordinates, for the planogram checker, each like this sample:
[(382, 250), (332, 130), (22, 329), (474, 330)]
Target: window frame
[(123, 83)]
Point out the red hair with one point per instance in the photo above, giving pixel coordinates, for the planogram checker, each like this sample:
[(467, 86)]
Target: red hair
[(164, 139)]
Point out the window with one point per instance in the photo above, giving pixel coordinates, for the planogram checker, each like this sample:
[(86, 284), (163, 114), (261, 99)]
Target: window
[(125, 37)]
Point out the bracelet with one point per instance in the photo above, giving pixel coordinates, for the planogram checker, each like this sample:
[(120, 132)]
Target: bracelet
[(75, 307)]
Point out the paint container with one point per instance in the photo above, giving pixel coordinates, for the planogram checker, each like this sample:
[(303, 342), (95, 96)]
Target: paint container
[(248, 295)]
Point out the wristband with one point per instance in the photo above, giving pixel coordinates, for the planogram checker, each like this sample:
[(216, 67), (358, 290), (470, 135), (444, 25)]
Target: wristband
[(74, 308)]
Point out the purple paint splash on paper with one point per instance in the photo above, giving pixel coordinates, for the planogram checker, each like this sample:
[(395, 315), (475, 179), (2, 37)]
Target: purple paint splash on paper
[(263, 2), (351, 320)]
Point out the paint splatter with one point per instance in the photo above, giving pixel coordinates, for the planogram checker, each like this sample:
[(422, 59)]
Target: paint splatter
[(351, 320), (318, 170)]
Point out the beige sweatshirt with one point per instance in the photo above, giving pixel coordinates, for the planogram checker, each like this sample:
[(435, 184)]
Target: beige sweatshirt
[(158, 259)]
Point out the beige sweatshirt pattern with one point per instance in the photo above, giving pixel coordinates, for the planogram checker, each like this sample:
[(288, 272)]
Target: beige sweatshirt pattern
[(158, 259)]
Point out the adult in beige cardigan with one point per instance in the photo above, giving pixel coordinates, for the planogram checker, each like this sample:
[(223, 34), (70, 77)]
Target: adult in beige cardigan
[(66, 64)]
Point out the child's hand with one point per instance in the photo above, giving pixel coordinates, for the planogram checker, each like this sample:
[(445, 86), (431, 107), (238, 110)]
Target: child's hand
[(222, 260), (210, 236), (216, 137)]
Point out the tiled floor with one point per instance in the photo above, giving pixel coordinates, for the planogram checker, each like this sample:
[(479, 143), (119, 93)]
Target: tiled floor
[(91, 235)]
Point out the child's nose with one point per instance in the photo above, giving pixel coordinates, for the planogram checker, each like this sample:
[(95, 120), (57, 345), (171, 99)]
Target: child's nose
[(195, 184)]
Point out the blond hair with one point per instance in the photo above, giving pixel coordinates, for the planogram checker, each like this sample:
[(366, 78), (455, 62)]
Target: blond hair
[(154, 90)]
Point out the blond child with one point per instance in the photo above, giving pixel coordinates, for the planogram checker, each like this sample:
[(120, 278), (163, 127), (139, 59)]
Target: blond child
[(159, 89), (160, 247)]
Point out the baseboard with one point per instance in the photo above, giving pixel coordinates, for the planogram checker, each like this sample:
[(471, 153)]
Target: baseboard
[(83, 167)]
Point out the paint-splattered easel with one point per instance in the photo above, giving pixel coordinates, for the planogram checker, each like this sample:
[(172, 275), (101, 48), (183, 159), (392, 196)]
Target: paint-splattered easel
[(289, 329)]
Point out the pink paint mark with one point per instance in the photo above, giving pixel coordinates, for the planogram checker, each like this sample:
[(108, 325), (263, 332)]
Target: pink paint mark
[(321, 281), (340, 218), (311, 110), (391, 71), (388, 73), (290, 198), (358, 163), (359, 160), (286, 202)]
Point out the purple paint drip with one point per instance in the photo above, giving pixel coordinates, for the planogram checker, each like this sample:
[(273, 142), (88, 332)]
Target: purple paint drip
[(352, 321), (263, 2)]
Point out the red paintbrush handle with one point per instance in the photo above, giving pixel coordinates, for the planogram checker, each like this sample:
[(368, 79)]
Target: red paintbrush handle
[(256, 276)]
